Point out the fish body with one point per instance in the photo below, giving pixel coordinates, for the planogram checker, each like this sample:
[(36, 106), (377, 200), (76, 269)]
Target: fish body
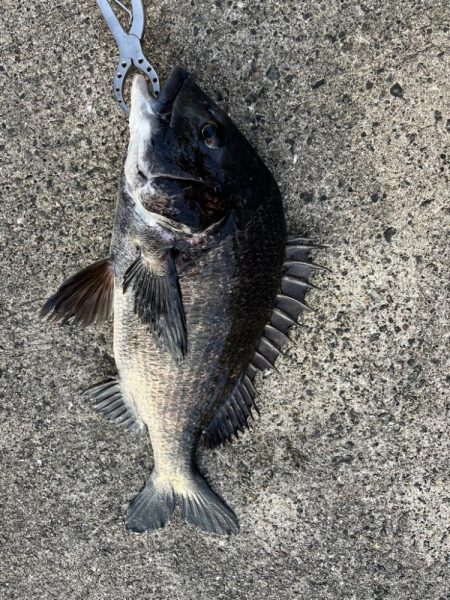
[(194, 273)]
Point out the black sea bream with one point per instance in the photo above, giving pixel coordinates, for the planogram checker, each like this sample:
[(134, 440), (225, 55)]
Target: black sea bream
[(204, 286)]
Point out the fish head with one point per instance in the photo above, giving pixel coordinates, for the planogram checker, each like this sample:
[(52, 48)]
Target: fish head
[(187, 162)]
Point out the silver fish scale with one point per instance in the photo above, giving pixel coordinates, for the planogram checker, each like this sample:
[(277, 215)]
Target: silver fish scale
[(172, 400)]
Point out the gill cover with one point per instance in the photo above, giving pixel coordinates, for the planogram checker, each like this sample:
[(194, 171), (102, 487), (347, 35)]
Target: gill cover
[(187, 161)]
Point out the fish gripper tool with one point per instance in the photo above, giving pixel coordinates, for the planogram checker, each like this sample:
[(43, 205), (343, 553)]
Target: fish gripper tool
[(130, 48)]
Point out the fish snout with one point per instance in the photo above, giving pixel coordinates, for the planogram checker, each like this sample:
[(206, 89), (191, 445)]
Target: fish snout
[(141, 108), (142, 123), (162, 105)]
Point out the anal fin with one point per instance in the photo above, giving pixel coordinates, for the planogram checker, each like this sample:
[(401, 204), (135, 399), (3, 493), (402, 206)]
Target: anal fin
[(232, 417), (84, 298), (106, 398)]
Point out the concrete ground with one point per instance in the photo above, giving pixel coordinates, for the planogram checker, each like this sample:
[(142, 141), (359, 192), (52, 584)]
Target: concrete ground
[(342, 486)]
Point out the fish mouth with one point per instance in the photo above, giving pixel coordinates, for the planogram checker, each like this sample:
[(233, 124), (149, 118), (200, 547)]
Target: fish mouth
[(183, 199), (147, 116), (175, 177), (162, 105), (143, 104)]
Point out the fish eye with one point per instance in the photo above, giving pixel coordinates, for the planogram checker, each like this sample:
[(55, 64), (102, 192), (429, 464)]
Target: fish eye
[(211, 134)]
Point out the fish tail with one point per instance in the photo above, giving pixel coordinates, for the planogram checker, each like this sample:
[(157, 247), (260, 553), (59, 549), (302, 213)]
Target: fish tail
[(202, 507), (152, 508), (199, 504)]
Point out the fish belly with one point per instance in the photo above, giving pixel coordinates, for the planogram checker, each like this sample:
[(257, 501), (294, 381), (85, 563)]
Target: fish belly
[(148, 379), (171, 398)]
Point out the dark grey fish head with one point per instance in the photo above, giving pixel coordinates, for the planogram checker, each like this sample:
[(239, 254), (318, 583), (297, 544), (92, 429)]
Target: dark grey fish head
[(187, 161)]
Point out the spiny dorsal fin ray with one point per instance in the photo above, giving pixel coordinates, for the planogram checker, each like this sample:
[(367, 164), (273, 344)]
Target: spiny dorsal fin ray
[(262, 361), (267, 345), (281, 320), (84, 298), (158, 302), (232, 416), (248, 394), (106, 398), (276, 336)]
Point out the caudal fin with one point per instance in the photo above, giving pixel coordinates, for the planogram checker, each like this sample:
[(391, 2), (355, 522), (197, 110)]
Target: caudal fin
[(154, 505)]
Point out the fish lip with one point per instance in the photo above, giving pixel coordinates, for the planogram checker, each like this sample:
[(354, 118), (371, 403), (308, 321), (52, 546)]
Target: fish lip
[(139, 85), (210, 184), (174, 177), (141, 100), (164, 102)]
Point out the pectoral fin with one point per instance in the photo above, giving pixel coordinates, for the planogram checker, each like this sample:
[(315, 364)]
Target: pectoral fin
[(84, 298), (158, 301)]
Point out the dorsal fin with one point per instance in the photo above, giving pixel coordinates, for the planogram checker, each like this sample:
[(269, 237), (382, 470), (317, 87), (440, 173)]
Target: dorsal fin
[(232, 416), (290, 301)]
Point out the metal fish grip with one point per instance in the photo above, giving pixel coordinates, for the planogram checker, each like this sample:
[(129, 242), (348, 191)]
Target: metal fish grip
[(130, 48)]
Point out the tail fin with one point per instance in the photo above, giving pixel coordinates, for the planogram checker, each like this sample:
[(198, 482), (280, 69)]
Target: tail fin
[(203, 508), (154, 505), (152, 508)]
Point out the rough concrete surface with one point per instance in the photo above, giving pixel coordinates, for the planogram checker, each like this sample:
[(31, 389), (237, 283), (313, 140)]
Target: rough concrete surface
[(341, 487)]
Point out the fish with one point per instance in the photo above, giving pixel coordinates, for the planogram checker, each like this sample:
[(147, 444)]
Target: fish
[(204, 285)]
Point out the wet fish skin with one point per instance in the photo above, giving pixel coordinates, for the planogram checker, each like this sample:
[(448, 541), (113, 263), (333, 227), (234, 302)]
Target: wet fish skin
[(193, 275), (228, 287)]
